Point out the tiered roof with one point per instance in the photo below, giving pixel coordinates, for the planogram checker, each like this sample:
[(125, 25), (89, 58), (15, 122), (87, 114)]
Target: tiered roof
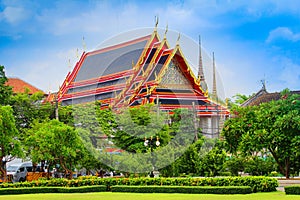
[(143, 70)]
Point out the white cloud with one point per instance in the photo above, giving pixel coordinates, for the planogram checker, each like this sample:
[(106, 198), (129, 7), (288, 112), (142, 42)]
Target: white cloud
[(14, 15), (283, 33)]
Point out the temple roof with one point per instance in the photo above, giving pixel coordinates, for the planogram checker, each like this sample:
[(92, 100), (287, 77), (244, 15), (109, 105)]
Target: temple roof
[(20, 86), (135, 72), (263, 97), (111, 60), (255, 97)]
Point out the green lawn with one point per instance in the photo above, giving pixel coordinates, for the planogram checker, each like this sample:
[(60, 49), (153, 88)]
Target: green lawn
[(134, 196)]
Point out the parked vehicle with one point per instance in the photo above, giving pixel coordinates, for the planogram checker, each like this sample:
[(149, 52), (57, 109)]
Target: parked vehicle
[(19, 171)]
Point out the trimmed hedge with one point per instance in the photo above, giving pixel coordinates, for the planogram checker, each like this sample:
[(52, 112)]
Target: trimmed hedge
[(293, 189), (34, 190), (184, 189), (257, 183)]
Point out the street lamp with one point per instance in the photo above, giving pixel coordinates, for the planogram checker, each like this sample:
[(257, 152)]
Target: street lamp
[(151, 142)]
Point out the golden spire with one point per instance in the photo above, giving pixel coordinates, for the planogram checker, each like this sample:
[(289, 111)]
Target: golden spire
[(200, 69), (201, 77)]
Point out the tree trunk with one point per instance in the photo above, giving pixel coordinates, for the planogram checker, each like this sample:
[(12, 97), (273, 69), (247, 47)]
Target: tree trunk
[(48, 171), (284, 169), (2, 169), (66, 169), (287, 168), (3, 173)]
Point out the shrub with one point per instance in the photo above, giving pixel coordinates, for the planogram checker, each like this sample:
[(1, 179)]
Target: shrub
[(184, 189), (295, 189), (33, 190), (257, 184)]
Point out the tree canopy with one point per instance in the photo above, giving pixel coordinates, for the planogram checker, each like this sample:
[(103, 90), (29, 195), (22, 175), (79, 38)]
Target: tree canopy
[(5, 90), (10, 146), (56, 143), (271, 128)]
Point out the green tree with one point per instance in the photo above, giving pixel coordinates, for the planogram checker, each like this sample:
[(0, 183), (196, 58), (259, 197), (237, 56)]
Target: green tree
[(85, 117), (28, 108), (65, 114), (235, 164), (56, 143), (5, 90), (129, 128), (241, 98), (260, 166), (271, 127), (212, 163), (10, 146)]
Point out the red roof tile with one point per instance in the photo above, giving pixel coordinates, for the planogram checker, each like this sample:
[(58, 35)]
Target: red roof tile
[(19, 86)]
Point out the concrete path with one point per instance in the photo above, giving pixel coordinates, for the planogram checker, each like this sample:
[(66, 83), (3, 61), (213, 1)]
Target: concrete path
[(287, 182)]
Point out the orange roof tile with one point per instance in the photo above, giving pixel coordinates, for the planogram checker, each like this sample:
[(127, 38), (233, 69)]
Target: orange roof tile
[(19, 86)]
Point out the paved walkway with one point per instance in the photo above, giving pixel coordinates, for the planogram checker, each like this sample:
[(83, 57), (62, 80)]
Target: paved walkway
[(287, 182)]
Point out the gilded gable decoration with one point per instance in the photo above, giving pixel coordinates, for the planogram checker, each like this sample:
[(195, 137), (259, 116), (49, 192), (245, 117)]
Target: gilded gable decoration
[(174, 77)]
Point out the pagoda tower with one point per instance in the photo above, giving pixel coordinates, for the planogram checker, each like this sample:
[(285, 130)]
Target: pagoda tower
[(201, 76)]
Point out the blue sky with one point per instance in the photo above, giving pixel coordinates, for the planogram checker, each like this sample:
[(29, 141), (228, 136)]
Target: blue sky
[(252, 40)]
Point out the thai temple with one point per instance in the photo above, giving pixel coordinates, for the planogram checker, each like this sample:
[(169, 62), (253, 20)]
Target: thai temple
[(144, 70)]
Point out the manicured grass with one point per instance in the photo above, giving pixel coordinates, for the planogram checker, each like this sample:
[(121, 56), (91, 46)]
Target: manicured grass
[(133, 196)]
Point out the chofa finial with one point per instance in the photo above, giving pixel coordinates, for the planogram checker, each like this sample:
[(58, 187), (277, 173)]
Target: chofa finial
[(178, 38)]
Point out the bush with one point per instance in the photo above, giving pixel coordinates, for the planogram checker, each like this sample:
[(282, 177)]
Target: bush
[(184, 189), (33, 190), (257, 183), (295, 189)]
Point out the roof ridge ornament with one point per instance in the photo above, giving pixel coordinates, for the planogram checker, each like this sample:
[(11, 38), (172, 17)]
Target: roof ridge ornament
[(177, 41), (166, 31), (156, 23), (83, 43), (69, 65), (263, 82)]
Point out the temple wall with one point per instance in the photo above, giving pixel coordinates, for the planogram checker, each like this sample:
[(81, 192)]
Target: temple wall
[(211, 126)]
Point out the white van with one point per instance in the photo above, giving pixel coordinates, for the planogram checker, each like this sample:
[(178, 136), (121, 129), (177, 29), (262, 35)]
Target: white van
[(19, 171)]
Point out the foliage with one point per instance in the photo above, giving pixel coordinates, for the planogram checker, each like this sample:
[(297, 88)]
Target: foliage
[(5, 90), (212, 163), (235, 164), (257, 183), (205, 157), (293, 189), (253, 165), (9, 142), (34, 190), (258, 166), (130, 127), (65, 114), (56, 143), (241, 98), (270, 128), (28, 108), (185, 189), (85, 117)]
